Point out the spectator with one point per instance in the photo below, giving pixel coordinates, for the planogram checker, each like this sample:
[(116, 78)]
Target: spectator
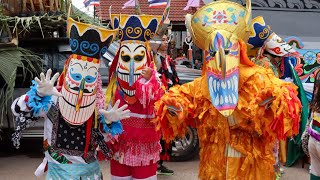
[(166, 68), (185, 48), (197, 64), (198, 55), (172, 50), (314, 130)]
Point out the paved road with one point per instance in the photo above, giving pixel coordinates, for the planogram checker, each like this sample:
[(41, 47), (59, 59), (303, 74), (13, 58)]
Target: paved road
[(22, 164)]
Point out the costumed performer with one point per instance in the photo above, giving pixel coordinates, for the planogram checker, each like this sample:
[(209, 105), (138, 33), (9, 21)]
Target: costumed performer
[(71, 125), (241, 108), (133, 80)]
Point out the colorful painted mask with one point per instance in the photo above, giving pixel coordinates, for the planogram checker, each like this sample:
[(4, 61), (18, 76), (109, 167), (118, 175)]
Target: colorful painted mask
[(261, 35), (88, 43), (134, 54), (218, 29)]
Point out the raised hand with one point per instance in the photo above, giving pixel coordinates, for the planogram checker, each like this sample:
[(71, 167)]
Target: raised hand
[(115, 113), (146, 73), (46, 85)]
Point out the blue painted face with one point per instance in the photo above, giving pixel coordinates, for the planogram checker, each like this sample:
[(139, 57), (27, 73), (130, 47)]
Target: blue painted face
[(79, 71)]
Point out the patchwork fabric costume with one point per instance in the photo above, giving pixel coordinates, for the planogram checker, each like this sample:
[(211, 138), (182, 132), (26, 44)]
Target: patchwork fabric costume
[(137, 150), (238, 108), (71, 126)]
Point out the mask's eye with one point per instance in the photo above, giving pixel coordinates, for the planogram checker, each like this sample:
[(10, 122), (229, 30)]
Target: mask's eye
[(124, 57), (139, 57), (90, 79), (74, 75), (213, 53), (226, 51)]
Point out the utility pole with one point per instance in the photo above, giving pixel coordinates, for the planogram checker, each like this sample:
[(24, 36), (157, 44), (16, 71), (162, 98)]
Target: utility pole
[(188, 41)]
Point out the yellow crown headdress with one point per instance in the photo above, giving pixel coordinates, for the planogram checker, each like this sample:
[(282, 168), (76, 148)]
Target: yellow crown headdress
[(219, 15), (135, 27), (89, 40)]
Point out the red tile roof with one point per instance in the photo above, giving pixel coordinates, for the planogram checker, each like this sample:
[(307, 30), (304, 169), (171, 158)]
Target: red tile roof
[(176, 12)]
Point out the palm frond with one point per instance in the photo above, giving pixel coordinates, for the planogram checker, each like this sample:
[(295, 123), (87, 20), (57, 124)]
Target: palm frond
[(10, 60)]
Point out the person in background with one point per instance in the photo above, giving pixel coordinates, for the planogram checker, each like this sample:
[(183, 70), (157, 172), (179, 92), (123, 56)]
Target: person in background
[(314, 131), (197, 54), (180, 53), (168, 75), (272, 50), (197, 64), (172, 50)]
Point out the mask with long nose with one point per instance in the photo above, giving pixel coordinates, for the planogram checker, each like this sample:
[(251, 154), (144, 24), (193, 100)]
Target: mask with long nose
[(220, 29), (81, 70), (222, 72), (134, 54), (132, 59)]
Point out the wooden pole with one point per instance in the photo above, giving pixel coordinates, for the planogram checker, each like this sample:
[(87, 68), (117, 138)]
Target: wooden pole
[(69, 10), (57, 5), (62, 6), (32, 5), (188, 41), (24, 6), (41, 6), (137, 9), (51, 5)]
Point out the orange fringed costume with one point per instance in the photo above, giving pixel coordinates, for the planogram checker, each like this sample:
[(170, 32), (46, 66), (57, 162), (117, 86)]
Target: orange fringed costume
[(251, 129), (239, 109)]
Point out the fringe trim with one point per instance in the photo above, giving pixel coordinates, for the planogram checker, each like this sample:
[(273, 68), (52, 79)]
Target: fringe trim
[(149, 92), (100, 99), (140, 154)]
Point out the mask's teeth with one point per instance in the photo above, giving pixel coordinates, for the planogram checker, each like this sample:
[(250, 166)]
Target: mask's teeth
[(235, 81), (129, 92), (210, 83), (226, 99), (234, 99), (221, 100), (223, 85), (230, 99), (216, 101)]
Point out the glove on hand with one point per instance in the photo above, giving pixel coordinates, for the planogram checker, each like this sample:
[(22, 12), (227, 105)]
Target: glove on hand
[(115, 113), (45, 85)]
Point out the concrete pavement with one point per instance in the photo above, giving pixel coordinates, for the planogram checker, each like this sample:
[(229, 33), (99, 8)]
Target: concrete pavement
[(21, 166)]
